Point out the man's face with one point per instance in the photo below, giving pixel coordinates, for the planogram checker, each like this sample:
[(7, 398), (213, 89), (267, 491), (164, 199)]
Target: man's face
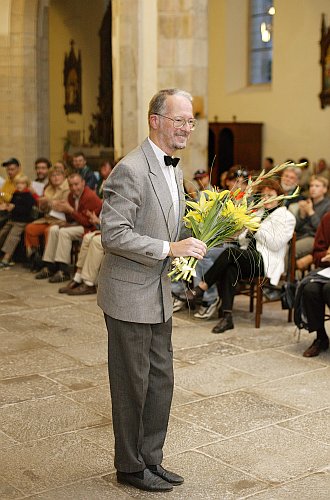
[(76, 185), (41, 171), (79, 162), (317, 189), (12, 170), (289, 180), (166, 136)]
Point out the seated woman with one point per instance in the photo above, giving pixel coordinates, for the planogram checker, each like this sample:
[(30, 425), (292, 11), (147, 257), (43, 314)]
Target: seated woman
[(316, 295), (56, 190), (264, 256)]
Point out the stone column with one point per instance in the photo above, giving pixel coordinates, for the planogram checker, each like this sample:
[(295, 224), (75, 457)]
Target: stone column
[(18, 90), (159, 45), (183, 63)]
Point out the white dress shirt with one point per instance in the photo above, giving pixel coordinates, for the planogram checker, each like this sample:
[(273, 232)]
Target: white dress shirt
[(168, 171)]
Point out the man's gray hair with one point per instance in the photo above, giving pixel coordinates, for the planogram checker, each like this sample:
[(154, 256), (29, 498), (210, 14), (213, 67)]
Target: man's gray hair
[(157, 103), (296, 170)]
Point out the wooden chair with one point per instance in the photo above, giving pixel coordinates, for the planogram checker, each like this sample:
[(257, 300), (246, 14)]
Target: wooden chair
[(256, 285)]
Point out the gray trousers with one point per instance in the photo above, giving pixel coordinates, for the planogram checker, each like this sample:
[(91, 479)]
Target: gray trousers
[(141, 385)]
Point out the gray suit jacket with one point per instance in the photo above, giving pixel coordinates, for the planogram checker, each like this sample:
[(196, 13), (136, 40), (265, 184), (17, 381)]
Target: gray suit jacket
[(137, 216)]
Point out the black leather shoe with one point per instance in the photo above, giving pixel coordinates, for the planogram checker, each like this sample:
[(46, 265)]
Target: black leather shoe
[(225, 323), (167, 475), (144, 480), (316, 347)]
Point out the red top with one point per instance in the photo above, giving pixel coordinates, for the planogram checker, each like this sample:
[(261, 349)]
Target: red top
[(88, 201), (322, 241)]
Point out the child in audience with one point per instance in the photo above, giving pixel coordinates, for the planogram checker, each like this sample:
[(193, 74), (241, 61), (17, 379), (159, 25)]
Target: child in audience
[(19, 210)]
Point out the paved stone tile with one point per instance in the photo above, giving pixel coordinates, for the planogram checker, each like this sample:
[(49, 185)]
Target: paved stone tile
[(53, 462), (272, 454), (184, 436), (314, 425), (34, 361), (204, 478), (38, 301), (270, 364), (298, 348), (93, 489), (42, 418), (234, 413), (101, 436), (12, 305), (88, 354), (13, 343), (71, 335), (197, 353), (192, 336), (15, 390), (96, 398), (211, 377), (5, 297), (314, 487), (181, 396), (307, 391), (66, 315), (7, 492), (256, 339), (19, 324), (5, 440), (82, 378)]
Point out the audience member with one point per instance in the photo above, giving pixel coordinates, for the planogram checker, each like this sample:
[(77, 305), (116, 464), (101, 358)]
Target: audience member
[(268, 164), (202, 178), (264, 256), (80, 166), (57, 254), (316, 294), (88, 263), (13, 168), (105, 170), (19, 214), (42, 166), (237, 178), (289, 181), (321, 168), (56, 191), (310, 213)]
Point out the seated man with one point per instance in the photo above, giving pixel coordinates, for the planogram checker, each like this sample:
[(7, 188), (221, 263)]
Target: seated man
[(80, 167), (13, 168), (88, 264), (309, 214), (105, 170), (316, 294), (57, 254), (290, 179)]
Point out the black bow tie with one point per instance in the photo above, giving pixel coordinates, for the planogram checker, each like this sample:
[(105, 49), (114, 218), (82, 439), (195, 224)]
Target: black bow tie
[(171, 160)]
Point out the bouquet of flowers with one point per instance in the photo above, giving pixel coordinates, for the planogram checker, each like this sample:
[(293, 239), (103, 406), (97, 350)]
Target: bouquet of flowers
[(220, 216)]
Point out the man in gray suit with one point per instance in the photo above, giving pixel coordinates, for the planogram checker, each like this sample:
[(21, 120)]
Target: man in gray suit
[(140, 223)]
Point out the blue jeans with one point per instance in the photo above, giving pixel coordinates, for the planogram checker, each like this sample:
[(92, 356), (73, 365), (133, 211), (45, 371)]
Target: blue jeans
[(204, 265)]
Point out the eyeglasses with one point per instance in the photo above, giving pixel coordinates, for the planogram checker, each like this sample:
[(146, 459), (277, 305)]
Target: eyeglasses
[(180, 122)]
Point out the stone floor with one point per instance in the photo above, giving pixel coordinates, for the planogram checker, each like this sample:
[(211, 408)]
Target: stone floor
[(250, 415)]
